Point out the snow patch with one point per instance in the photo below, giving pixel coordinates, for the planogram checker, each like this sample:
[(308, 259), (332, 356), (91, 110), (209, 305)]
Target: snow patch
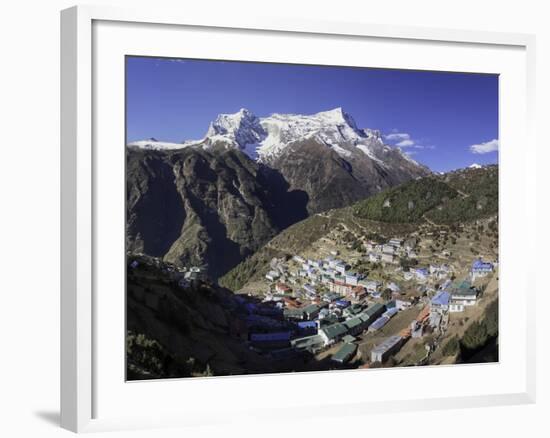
[(367, 151), (341, 151), (264, 139), (154, 144)]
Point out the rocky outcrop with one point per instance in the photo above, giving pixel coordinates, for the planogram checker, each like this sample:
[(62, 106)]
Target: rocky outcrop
[(205, 208), (335, 180)]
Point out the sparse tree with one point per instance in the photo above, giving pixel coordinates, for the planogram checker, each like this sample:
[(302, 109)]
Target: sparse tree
[(475, 336), (387, 294), (451, 347)]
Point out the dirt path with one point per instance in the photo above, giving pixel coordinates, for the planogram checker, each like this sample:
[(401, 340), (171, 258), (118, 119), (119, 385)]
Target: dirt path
[(429, 220), (461, 193)]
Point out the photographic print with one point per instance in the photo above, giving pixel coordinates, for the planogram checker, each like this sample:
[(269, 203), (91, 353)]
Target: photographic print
[(291, 218)]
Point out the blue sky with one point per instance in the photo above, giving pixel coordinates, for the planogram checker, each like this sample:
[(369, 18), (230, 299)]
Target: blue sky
[(444, 120)]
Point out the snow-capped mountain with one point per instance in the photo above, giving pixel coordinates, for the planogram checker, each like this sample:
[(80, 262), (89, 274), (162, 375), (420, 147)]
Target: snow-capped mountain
[(155, 145), (475, 166), (242, 129), (207, 202), (325, 155), (264, 139)]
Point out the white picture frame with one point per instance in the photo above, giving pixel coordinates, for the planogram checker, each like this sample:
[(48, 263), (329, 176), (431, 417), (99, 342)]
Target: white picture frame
[(81, 373)]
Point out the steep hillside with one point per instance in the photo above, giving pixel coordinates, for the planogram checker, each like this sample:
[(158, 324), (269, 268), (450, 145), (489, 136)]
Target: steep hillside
[(405, 203), (457, 197), (478, 196), (333, 179), (324, 155), (215, 201), (209, 208), (290, 241), (195, 330)]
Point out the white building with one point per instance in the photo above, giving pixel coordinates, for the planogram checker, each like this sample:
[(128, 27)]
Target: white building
[(370, 285), (272, 275), (341, 267), (352, 278), (387, 258), (394, 287), (374, 258), (461, 296), (384, 350), (396, 242)]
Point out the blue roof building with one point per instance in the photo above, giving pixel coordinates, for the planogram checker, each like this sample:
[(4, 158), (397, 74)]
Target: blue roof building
[(481, 267), (276, 336), (379, 323), (307, 324), (421, 272), (343, 303), (271, 340), (307, 328), (441, 300)]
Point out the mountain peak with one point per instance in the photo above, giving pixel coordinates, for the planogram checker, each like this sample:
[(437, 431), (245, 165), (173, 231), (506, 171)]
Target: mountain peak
[(337, 116), (266, 138), (242, 128), (336, 112)]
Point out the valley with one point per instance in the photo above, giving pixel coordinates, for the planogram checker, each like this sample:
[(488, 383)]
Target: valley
[(387, 281), (214, 202)]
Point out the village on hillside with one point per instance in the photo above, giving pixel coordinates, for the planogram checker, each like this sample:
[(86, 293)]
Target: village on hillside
[(389, 302), (349, 301)]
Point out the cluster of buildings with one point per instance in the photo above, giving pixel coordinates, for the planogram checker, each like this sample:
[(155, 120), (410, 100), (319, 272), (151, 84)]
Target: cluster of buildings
[(325, 304), (433, 271), (481, 269), (319, 314), (316, 304), (329, 303), (454, 297), (333, 275), (281, 331), (450, 298), (391, 251), (356, 321), (183, 275), (317, 280)]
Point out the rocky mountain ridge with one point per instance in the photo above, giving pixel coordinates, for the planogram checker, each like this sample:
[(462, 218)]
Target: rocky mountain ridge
[(455, 198), (265, 138), (215, 201)]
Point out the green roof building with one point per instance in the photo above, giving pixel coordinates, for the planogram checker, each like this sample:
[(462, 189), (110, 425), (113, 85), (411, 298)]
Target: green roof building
[(291, 313), (345, 353), (333, 333), (311, 311), (354, 325), (371, 314)]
